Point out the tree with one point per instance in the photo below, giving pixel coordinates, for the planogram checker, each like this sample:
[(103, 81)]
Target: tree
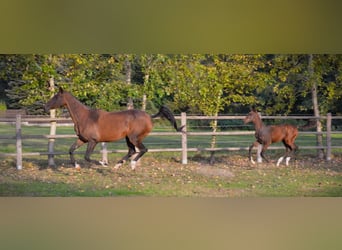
[(196, 83), (314, 94), (29, 88), (154, 69), (284, 78), (95, 79)]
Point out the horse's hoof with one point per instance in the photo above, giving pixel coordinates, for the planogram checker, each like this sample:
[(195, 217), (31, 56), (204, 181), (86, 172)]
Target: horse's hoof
[(104, 164), (77, 166)]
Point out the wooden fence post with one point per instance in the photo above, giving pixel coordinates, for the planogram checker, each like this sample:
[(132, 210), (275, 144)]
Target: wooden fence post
[(104, 152), (184, 139), (53, 126), (328, 153), (18, 142), (259, 149), (51, 142)]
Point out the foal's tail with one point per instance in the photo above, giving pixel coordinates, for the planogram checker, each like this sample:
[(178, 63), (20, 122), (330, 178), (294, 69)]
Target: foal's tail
[(309, 124), (166, 113)]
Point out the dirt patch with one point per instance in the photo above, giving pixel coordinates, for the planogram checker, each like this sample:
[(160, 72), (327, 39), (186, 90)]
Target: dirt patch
[(212, 171)]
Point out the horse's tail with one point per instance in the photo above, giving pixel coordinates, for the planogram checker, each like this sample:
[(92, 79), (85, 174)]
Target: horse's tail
[(166, 113)]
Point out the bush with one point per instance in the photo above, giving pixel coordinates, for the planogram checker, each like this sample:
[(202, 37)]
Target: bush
[(3, 106)]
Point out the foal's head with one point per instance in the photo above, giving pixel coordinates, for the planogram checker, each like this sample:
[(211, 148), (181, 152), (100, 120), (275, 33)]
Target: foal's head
[(57, 101), (252, 116)]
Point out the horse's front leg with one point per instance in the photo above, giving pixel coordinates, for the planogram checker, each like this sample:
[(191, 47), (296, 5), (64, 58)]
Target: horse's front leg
[(73, 147), (90, 148)]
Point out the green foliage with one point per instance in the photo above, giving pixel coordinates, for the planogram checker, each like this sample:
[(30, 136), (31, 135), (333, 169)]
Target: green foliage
[(196, 83)]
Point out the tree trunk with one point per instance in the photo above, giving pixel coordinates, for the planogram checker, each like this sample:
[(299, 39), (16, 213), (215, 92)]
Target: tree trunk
[(128, 68), (213, 125), (144, 102), (313, 81)]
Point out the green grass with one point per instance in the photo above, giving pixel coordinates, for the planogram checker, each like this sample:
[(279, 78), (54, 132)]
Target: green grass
[(41, 189), (162, 174)]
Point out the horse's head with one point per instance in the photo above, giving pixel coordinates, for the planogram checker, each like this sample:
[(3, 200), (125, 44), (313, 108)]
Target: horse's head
[(251, 117), (57, 101)]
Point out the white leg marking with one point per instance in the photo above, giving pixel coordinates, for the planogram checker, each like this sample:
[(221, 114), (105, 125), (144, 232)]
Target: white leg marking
[(77, 166), (253, 162), (103, 163), (280, 160), (287, 160), (133, 164)]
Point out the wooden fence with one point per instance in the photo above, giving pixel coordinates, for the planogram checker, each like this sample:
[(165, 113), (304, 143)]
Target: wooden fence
[(18, 121)]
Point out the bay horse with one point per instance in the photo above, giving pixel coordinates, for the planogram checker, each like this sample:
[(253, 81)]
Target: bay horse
[(94, 125), (265, 135)]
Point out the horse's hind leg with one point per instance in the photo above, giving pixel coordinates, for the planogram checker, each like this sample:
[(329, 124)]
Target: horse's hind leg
[(73, 147), (131, 151), (132, 142), (142, 151)]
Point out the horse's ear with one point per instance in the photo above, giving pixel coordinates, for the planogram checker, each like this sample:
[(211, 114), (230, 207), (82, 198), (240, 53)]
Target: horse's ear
[(61, 90), (253, 108)]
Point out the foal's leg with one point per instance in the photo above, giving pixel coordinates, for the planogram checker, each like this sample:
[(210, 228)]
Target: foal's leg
[(255, 144), (264, 148), (73, 147), (293, 148), (131, 151), (287, 148)]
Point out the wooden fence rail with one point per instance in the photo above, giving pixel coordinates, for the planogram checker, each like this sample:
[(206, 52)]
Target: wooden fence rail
[(184, 149)]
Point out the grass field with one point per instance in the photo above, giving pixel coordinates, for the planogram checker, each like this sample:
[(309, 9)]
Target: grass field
[(162, 174)]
